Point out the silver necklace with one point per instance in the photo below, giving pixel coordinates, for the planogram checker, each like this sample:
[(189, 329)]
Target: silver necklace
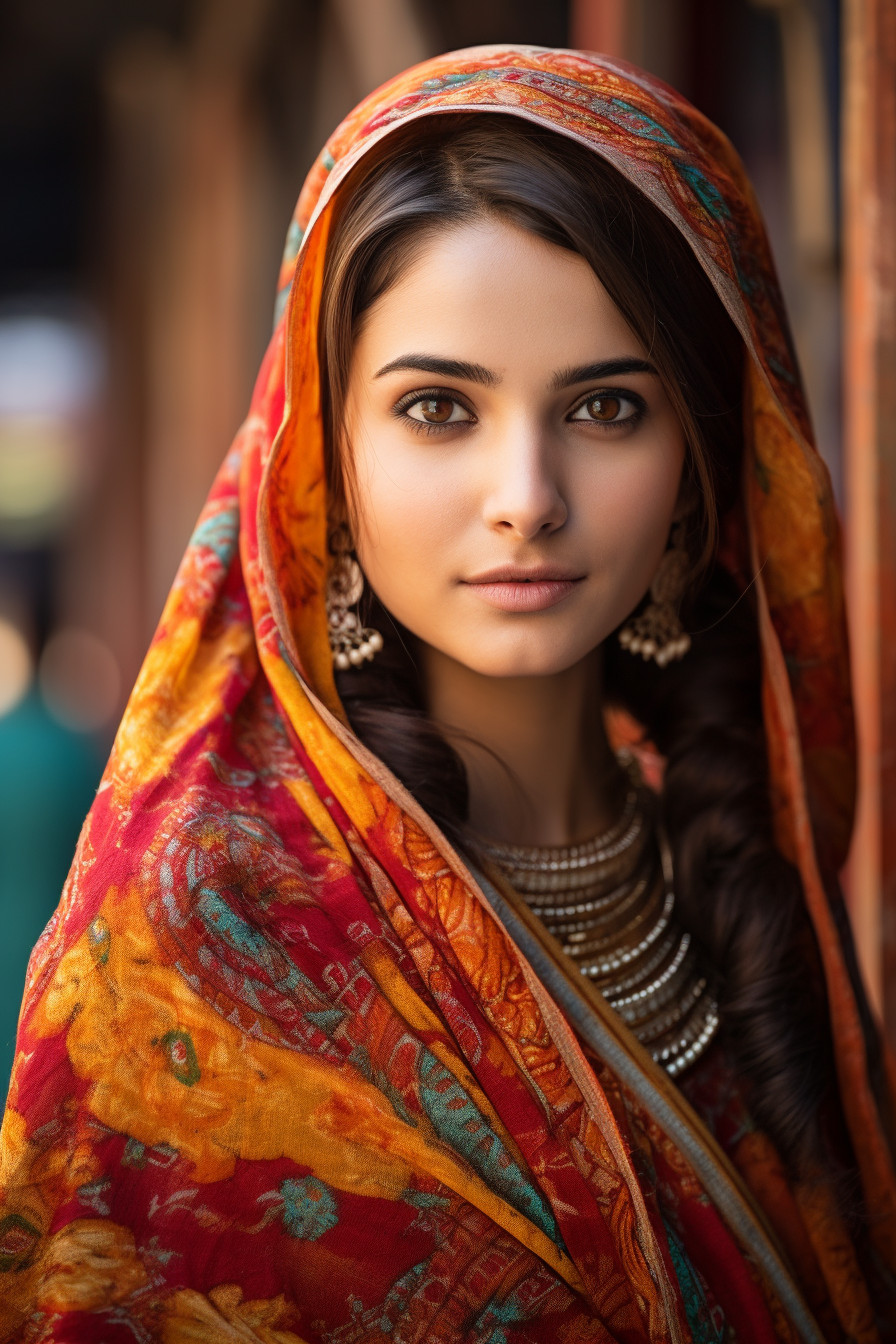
[(610, 903)]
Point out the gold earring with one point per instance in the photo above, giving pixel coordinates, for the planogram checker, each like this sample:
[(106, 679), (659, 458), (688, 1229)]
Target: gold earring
[(658, 632), (351, 643)]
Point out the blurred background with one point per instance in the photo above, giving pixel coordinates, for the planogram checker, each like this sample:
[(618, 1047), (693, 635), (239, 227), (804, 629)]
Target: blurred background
[(150, 155)]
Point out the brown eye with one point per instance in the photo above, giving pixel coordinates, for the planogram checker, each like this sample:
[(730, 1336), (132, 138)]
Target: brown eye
[(610, 409), (603, 408), (436, 409)]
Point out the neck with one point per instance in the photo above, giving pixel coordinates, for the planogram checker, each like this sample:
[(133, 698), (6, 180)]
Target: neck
[(539, 766)]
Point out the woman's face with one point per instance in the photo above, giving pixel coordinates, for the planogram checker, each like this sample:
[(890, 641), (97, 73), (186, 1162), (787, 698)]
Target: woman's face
[(514, 463)]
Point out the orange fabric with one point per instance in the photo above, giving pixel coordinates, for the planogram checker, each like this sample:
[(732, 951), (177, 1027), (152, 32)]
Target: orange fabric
[(762, 1169)]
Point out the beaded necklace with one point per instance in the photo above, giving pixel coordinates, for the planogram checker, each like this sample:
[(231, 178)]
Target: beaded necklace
[(610, 903)]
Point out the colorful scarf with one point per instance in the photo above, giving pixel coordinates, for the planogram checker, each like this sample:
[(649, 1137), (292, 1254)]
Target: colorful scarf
[(286, 1070)]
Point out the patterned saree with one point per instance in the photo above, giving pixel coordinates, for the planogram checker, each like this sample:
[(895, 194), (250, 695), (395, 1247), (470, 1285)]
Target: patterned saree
[(286, 1069)]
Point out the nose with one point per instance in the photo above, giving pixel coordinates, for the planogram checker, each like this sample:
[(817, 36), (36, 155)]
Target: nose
[(524, 494)]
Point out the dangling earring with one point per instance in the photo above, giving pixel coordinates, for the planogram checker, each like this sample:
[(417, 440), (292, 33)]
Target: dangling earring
[(658, 632), (350, 643)]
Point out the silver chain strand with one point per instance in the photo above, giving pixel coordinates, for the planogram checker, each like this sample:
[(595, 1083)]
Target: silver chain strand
[(610, 903)]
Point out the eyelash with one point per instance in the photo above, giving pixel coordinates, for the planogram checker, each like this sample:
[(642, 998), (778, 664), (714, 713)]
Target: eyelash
[(637, 403), (429, 394), (442, 394)]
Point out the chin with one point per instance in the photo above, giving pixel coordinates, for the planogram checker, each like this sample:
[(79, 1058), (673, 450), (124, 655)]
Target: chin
[(535, 660)]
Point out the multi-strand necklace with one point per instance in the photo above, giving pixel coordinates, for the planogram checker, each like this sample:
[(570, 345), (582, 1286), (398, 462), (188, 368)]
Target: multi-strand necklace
[(610, 904)]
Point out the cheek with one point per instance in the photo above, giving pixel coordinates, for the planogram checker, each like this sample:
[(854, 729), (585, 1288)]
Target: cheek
[(638, 497), (634, 510), (402, 517)]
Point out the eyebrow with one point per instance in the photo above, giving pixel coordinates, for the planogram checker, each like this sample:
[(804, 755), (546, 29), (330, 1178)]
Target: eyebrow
[(446, 368), (594, 373), (478, 373)]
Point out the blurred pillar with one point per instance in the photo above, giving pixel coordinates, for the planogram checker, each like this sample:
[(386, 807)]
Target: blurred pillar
[(190, 303), (601, 25), (652, 33), (382, 37), (810, 264), (361, 44), (208, 303), (870, 429), (103, 575)]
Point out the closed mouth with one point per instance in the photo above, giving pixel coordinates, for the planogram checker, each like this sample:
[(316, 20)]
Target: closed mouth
[(510, 575), (510, 591)]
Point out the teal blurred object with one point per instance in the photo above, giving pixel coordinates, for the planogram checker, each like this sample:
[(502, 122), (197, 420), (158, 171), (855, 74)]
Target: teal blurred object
[(48, 778)]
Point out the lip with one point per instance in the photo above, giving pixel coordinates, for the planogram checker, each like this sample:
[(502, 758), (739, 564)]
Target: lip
[(511, 588), (526, 574)]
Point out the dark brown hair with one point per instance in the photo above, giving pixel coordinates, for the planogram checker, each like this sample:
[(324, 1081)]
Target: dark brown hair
[(738, 896)]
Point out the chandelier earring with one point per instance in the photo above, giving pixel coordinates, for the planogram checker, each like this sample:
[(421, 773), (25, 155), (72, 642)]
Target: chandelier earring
[(657, 632), (351, 644)]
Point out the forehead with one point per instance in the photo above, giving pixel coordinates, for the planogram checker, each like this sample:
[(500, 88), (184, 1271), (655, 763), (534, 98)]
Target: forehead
[(493, 292)]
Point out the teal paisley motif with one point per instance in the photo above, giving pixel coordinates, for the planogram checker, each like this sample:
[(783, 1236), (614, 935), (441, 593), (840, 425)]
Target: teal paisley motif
[(218, 532), (460, 1123), (708, 194), (704, 1330), (309, 1208)]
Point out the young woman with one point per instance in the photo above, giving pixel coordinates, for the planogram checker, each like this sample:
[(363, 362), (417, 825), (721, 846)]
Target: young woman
[(453, 951)]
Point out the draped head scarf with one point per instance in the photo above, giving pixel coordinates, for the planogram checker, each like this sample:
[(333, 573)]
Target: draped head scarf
[(283, 1071)]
